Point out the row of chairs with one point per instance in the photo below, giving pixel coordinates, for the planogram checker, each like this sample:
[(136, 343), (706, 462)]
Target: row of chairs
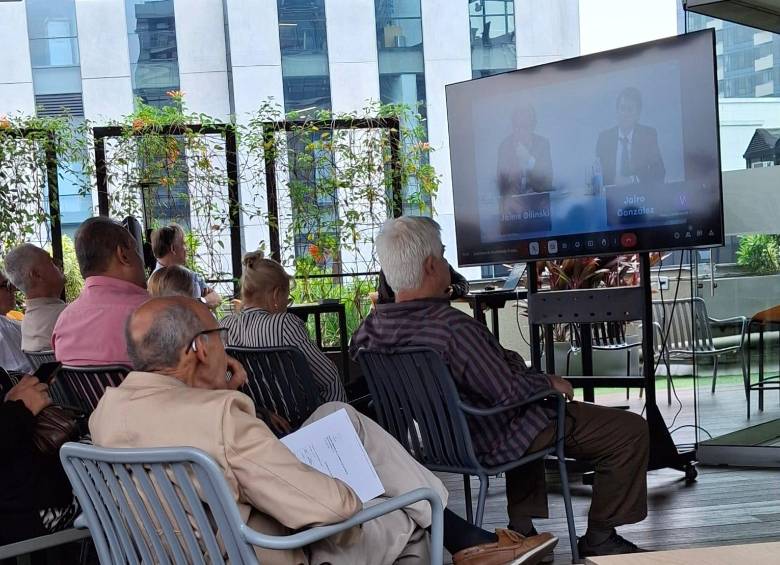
[(415, 400)]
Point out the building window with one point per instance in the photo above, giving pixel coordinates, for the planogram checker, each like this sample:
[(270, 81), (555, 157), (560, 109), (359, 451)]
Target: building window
[(154, 62), (492, 28), (54, 51), (56, 71), (304, 46), (399, 38)]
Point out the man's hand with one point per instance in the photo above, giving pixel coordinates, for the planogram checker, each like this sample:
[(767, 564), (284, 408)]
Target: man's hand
[(562, 385), (32, 392), (239, 374), (213, 300)]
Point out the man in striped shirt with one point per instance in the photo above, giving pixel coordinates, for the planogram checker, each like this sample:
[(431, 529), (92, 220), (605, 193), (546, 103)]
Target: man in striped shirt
[(487, 375)]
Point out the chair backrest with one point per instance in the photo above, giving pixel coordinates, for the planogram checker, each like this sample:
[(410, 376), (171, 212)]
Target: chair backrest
[(82, 387), (417, 403), (603, 334), (38, 358), (685, 324), (279, 379), (165, 505)]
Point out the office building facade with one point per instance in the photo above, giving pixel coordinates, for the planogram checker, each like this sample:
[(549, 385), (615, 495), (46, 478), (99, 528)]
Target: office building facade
[(228, 56)]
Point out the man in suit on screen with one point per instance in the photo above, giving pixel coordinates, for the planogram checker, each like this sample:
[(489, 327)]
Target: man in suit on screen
[(629, 152)]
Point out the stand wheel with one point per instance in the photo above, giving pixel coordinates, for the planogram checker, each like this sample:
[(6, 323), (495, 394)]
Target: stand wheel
[(690, 473)]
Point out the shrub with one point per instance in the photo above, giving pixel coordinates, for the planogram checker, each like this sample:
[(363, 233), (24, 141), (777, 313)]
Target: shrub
[(758, 253)]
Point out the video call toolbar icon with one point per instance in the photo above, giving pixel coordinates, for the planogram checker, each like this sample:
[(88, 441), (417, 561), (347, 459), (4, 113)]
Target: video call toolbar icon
[(533, 248), (552, 246)]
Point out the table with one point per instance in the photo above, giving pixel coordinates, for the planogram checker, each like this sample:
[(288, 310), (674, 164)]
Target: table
[(766, 319), (494, 300), (303, 311)]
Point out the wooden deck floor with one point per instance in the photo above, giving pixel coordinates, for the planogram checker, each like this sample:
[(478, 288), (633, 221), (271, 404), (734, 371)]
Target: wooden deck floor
[(724, 506)]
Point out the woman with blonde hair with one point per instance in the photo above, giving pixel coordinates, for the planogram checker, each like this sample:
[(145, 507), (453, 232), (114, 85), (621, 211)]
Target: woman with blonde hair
[(264, 322), (170, 281)]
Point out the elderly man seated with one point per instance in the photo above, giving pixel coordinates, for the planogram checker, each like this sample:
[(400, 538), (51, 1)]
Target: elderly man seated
[(179, 395), (411, 254), (11, 356), (90, 331), (32, 270)]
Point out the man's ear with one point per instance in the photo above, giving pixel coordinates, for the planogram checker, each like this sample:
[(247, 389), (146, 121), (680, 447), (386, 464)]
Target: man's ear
[(122, 254), (429, 266), (199, 349)]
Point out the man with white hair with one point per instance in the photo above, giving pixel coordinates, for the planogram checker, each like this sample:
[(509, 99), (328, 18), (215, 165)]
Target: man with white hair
[(33, 271), (11, 356), (411, 254)]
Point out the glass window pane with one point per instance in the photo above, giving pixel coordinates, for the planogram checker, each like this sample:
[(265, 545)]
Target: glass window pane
[(51, 18), (304, 46), (58, 52), (151, 28), (56, 80)]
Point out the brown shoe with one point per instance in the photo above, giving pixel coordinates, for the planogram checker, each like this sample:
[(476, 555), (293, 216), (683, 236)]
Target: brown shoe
[(510, 549)]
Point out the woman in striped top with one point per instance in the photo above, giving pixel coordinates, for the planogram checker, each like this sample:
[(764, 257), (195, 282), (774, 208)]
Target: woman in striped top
[(264, 322)]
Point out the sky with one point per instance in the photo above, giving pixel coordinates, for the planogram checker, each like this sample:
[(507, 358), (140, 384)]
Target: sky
[(607, 24)]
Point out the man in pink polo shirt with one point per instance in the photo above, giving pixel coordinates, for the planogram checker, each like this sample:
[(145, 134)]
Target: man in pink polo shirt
[(91, 330)]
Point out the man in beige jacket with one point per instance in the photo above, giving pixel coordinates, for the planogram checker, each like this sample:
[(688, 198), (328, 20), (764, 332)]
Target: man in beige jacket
[(180, 396)]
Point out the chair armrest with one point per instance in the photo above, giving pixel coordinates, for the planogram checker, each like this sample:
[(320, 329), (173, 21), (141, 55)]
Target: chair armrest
[(311, 535), (736, 320), (80, 523), (474, 411)]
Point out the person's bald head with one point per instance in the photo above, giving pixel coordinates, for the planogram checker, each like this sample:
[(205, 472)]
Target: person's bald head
[(160, 331)]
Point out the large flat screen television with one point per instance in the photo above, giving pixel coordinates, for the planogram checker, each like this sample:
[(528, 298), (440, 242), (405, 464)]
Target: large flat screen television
[(607, 153)]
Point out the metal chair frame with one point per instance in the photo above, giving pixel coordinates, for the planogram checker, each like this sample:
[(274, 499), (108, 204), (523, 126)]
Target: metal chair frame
[(687, 333), (418, 404), (279, 379), (173, 505)]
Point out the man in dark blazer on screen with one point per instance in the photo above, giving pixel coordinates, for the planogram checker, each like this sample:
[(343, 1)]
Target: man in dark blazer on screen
[(629, 151)]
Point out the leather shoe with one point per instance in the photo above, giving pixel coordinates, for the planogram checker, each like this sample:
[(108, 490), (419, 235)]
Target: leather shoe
[(510, 549)]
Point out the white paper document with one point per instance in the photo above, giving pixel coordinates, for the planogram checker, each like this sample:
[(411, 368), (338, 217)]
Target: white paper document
[(331, 445)]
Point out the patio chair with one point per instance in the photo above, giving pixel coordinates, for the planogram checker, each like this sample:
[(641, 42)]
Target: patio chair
[(684, 331), (605, 336), (82, 387), (417, 403), (40, 543), (180, 496), (279, 379)]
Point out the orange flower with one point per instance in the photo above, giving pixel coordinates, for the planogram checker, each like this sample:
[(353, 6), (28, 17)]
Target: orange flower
[(5, 123), (138, 124), (314, 251), (175, 94)]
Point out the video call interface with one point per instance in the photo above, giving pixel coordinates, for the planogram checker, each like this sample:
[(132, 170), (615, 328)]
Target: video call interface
[(601, 154)]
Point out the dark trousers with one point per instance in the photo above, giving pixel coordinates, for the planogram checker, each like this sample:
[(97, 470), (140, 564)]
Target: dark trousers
[(615, 441)]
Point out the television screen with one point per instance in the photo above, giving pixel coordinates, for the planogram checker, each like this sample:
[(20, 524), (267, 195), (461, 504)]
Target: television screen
[(608, 153)]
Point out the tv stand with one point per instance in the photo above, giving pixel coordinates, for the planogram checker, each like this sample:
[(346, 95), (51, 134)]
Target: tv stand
[(617, 304)]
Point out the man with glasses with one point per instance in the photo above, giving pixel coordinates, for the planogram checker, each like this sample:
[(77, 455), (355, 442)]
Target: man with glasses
[(179, 394), (11, 356)]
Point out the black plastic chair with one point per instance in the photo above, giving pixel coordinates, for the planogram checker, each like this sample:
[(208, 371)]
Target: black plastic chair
[(418, 404), (38, 358), (279, 379), (82, 387)]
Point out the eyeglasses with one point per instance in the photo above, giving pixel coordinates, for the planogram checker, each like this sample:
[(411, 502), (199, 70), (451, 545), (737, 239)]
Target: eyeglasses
[(223, 333)]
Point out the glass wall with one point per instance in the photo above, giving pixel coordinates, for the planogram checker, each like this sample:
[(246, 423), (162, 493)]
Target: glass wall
[(492, 28), (54, 46), (739, 412), (56, 70), (304, 44), (154, 63), (399, 37)]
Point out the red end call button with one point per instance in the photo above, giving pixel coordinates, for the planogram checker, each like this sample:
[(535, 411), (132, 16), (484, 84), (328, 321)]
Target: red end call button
[(628, 240)]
